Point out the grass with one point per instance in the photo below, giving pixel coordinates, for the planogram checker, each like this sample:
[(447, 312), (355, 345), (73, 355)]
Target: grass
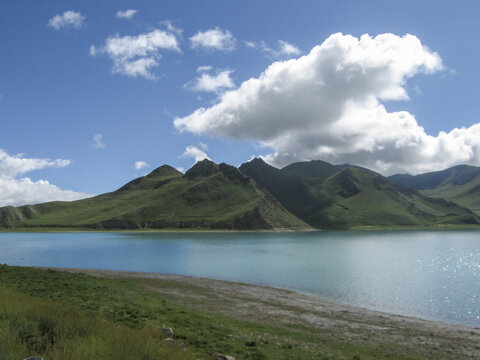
[(164, 203), (34, 327), (82, 314), (464, 195)]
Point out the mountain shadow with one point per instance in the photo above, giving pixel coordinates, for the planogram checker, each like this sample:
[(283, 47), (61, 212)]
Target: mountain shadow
[(343, 196)]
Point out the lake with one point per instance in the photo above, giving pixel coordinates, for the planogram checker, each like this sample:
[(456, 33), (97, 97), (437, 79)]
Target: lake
[(428, 274)]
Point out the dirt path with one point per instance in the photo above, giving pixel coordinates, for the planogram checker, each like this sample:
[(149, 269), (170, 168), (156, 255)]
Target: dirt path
[(259, 304)]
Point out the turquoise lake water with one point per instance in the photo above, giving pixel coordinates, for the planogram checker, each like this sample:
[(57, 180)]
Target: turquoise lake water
[(428, 274)]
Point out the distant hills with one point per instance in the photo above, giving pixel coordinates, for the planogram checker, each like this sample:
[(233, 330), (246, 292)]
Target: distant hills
[(256, 196), (344, 196), (460, 184)]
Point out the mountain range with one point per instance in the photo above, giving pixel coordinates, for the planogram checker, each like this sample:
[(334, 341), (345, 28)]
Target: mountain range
[(256, 195), (459, 183), (345, 196)]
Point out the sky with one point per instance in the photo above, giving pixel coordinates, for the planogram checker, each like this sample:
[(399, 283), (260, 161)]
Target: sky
[(94, 94)]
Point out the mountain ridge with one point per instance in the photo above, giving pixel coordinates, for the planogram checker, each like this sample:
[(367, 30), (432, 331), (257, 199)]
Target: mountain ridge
[(255, 196), (208, 196), (344, 196), (460, 184)]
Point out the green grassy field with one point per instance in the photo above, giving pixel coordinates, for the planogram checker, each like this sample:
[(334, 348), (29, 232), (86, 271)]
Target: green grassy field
[(32, 326), (62, 315)]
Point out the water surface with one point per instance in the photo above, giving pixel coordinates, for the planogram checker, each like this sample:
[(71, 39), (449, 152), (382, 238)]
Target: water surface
[(428, 274)]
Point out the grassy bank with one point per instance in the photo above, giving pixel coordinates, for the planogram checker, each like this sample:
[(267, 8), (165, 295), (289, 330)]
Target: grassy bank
[(123, 302), (205, 319), (31, 326)]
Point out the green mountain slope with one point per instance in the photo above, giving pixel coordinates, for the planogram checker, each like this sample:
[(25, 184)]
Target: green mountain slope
[(325, 195), (207, 196), (460, 184), (314, 168)]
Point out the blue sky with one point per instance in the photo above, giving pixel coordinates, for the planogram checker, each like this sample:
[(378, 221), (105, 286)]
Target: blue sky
[(63, 85)]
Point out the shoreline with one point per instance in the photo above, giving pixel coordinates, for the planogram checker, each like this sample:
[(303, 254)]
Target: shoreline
[(254, 288), (286, 308), (227, 231), (265, 317)]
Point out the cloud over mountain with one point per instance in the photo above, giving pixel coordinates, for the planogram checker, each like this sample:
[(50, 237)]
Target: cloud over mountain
[(196, 153), (329, 104), (18, 190), (139, 165)]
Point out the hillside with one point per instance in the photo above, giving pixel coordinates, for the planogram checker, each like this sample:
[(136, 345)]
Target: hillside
[(209, 195), (260, 196), (460, 184), (342, 196)]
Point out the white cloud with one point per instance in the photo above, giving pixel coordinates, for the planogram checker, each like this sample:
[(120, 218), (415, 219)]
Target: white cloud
[(17, 191), (213, 39), (180, 168), (12, 166), (203, 146), (126, 14), (139, 165), (416, 89), (172, 28), (211, 83), (98, 142), (69, 19), (94, 51), (137, 55), (283, 50), (329, 105), (196, 153), (204, 68), (288, 49)]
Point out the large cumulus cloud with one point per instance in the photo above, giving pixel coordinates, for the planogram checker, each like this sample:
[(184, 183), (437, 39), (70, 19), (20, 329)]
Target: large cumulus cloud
[(329, 105)]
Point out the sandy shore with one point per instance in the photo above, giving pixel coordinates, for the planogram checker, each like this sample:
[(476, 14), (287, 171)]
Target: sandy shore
[(265, 305)]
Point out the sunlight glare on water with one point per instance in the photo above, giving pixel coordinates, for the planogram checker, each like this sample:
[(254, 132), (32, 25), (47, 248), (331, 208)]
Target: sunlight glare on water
[(428, 274)]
